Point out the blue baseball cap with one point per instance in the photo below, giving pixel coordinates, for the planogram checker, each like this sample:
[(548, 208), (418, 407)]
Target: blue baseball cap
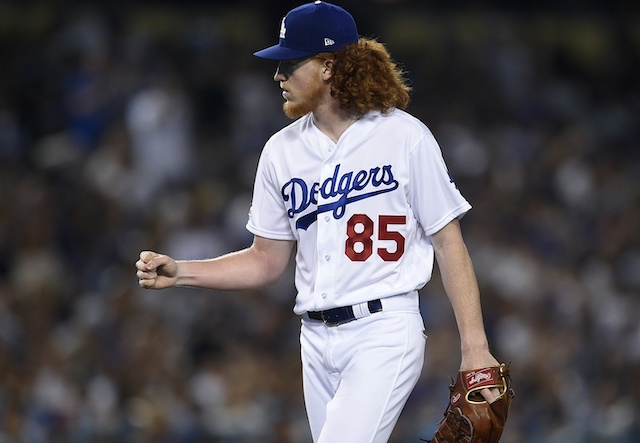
[(310, 29)]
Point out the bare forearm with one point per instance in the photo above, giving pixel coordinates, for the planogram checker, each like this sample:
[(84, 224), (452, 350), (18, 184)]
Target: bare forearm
[(461, 286), (260, 265), (236, 271)]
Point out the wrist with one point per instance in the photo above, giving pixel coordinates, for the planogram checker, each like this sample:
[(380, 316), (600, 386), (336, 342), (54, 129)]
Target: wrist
[(180, 279), (477, 341)]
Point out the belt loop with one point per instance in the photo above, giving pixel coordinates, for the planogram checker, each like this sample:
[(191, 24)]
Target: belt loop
[(361, 310)]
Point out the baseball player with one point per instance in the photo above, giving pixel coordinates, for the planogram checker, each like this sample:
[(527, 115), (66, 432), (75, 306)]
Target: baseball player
[(360, 186)]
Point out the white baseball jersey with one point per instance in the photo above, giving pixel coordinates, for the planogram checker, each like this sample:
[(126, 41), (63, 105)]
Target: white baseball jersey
[(361, 210)]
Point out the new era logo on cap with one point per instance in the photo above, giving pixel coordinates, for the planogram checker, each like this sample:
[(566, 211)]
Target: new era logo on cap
[(310, 29)]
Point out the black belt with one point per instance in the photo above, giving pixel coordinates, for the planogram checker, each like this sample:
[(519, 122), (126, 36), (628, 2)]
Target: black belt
[(344, 314)]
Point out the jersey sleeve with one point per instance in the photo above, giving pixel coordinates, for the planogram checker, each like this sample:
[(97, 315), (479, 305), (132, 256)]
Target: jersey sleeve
[(267, 216), (433, 196)]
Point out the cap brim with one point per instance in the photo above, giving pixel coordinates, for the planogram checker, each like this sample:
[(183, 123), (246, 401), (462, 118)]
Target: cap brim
[(277, 52)]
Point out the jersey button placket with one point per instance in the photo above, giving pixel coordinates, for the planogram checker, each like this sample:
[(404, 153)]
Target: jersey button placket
[(325, 242), (325, 276)]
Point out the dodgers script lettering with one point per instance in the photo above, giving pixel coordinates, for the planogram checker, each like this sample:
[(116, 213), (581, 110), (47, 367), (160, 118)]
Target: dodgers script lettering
[(343, 187)]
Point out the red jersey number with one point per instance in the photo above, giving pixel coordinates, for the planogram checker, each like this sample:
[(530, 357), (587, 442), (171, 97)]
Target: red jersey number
[(360, 230)]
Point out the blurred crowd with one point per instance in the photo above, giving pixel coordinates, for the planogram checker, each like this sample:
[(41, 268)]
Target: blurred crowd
[(139, 127)]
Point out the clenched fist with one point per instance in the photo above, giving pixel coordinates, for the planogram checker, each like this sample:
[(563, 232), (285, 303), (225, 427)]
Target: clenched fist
[(156, 271)]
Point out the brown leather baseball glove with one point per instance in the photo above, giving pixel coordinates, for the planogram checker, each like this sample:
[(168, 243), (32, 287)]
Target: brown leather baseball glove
[(469, 418)]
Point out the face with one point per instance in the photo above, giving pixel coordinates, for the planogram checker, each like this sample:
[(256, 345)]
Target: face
[(302, 84)]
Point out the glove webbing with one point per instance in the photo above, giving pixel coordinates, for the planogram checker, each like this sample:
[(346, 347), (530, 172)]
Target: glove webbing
[(460, 425)]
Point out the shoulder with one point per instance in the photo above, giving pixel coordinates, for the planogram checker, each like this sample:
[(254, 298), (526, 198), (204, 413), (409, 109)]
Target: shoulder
[(401, 126), (399, 119), (292, 131), (282, 142)]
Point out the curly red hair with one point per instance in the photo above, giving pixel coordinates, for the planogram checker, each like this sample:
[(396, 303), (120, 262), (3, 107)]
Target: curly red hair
[(365, 78)]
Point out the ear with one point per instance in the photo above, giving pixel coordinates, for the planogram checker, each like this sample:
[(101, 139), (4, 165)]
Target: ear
[(327, 69)]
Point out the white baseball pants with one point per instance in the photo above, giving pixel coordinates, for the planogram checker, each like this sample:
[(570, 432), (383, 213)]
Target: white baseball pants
[(358, 376)]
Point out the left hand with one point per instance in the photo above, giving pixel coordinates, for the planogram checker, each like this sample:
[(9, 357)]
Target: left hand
[(478, 359)]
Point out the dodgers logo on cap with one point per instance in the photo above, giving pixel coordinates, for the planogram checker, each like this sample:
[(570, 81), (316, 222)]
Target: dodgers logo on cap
[(283, 30), (310, 29)]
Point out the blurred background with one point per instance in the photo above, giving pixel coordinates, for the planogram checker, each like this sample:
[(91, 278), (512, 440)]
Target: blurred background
[(137, 125)]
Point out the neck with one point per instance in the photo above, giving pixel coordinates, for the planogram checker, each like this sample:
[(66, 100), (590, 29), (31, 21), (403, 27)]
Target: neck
[(334, 123)]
